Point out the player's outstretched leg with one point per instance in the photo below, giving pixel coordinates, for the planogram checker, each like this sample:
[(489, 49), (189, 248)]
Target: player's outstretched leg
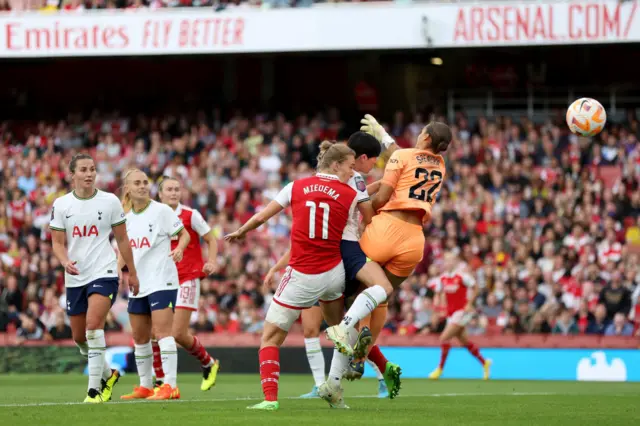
[(157, 364), (141, 330), (311, 322), (391, 372), (191, 343), (331, 390), (162, 304), (451, 330), (475, 351), (101, 377)]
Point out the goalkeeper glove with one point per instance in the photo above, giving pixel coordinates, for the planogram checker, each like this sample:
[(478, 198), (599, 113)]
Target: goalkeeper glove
[(375, 129)]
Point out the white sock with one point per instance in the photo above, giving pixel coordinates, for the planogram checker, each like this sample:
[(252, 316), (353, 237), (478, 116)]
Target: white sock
[(316, 359), (364, 304), (169, 354), (144, 363), (95, 354), (84, 350), (106, 369), (339, 365), (375, 369)]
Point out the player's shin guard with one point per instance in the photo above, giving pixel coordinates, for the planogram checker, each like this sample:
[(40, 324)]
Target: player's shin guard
[(157, 360), (269, 358), (376, 356), (445, 347), (198, 351), (316, 359), (95, 354), (169, 354), (364, 304), (473, 349), (144, 354)]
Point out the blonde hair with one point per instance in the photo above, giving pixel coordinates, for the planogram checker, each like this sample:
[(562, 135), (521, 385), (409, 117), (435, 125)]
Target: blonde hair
[(331, 152), (127, 204)]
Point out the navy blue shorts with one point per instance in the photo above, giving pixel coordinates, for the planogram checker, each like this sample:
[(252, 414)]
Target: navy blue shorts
[(354, 259), (153, 302), (78, 297)]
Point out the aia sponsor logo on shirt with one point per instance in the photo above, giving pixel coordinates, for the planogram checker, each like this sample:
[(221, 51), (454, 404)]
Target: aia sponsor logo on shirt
[(138, 243), (84, 231)]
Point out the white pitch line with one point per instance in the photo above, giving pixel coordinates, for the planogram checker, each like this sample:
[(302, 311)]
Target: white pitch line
[(430, 395)]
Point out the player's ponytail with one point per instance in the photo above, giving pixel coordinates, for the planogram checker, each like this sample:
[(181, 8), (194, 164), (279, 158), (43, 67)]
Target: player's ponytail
[(324, 147), (127, 204), (332, 152)]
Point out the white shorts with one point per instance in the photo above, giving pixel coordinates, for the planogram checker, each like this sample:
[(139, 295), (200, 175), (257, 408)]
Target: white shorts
[(460, 317), (302, 291), (189, 295)]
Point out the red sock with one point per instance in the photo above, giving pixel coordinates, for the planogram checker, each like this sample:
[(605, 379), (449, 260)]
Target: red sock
[(475, 352), (269, 371), (198, 351), (157, 360), (376, 356), (444, 353)]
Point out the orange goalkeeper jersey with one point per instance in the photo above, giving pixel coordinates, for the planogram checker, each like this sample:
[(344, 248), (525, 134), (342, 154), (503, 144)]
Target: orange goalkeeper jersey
[(416, 176)]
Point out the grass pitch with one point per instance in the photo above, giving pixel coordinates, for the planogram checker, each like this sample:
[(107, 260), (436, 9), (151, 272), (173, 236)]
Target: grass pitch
[(50, 400)]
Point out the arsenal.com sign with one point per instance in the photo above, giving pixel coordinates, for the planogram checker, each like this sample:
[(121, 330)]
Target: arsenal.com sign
[(341, 27)]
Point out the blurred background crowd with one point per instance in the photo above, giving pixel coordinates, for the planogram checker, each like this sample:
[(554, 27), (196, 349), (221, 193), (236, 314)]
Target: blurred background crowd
[(81, 5), (546, 222)]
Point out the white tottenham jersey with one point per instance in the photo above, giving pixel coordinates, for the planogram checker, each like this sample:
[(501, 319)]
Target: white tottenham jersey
[(150, 232), (87, 222), (351, 230)]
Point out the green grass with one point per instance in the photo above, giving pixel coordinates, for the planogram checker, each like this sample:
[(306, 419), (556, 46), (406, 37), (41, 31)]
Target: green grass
[(56, 400)]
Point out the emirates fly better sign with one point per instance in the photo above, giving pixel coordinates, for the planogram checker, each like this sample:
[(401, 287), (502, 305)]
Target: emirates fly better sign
[(335, 28)]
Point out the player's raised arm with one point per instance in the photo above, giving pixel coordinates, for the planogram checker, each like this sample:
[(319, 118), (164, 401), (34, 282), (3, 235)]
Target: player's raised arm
[(370, 125), (282, 200), (392, 173)]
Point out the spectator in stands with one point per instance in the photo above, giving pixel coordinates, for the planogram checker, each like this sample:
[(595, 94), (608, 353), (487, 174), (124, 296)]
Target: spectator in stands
[(615, 297), (61, 330), (565, 324), (29, 329), (619, 326), (599, 323)]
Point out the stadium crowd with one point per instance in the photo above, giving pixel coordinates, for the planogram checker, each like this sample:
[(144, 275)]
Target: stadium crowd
[(81, 5), (547, 223)]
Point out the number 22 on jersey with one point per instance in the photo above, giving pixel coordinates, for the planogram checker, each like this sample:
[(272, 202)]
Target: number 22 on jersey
[(313, 209), (431, 179)]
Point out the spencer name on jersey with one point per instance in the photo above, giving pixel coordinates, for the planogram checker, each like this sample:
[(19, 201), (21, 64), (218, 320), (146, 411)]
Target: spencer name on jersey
[(150, 232), (319, 218), (190, 267), (87, 223)]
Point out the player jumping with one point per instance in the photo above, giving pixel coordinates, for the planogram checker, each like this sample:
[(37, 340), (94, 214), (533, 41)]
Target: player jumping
[(190, 270), (321, 206), (459, 291), (85, 217), (151, 226), (395, 237)]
